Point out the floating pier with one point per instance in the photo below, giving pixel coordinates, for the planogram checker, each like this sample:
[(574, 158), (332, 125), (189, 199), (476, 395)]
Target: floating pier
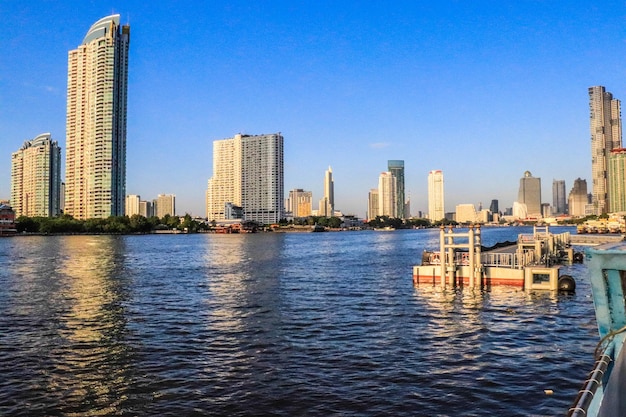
[(531, 263)]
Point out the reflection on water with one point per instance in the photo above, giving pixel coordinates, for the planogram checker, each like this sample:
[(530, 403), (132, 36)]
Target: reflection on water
[(274, 324)]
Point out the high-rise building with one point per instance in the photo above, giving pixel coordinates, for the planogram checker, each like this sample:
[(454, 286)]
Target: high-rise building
[(617, 183), (605, 124), (164, 204), (36, 178), (372, 204), (300, 203), (132, 204), (578, 198), (436, 206), (530, 194), (396, 167), (248, 171), (493, 208), (559, 198), (146, 208), (95, 168), (387, 190), (327, 203)]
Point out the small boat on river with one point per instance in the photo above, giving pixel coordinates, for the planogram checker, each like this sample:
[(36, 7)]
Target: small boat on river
[(602, 394)]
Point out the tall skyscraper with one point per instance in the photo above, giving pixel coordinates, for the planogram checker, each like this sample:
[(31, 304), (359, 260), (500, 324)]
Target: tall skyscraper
[(164, 204), (578, 198), (436, 206), (327, 203), (36, 178), (493, 207), (530, 194), (605, 124), (300, 203), (559, 198), (617, 183), (95, 168), (396, 167), (248, 172), (387, 198)]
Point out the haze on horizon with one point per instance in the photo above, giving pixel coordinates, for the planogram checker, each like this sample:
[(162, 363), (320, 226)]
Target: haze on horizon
[(483, 91)]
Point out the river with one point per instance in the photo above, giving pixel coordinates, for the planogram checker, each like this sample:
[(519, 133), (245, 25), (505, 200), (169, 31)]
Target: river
[(302, 324)]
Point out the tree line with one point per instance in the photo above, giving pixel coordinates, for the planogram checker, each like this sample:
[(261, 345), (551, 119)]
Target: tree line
[(113, 224)]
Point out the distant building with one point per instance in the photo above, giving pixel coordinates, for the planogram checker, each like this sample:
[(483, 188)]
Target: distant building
[(578, 199), (396, 168), (387, 195), (146, 208), (327, 203), (95, 167), (559, 197), (605, 125), (132, 204), (372, 204), (617, 180), (300, 203), (7, 220), (436, 204), (165, 204), (466, 213), (530, 194), (493, 208), (36, 178), (248, 171)]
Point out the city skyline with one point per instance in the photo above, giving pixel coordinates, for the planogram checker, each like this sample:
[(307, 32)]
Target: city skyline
[(416, 88)]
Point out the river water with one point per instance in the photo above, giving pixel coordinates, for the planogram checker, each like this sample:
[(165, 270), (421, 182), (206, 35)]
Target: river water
[(307, 324)]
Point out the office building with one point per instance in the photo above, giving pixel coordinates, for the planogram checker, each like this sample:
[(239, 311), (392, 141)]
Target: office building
[(327, 203), (559, 198), (617, 183), (36, 178), (530, 194), (372, 204), (95, 168), (578, 198), (605, 124), (387, 195), (436, 205), (494, 207), (396, 167), (248, 171), (132, 204), (300, 203), (164, 204), (466, 213)]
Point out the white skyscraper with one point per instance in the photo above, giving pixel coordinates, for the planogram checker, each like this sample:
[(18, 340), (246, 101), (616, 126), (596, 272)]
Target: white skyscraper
[(387, 192), (436, 207), (165, 204), (327, 203), (248, 172), (95, 168)]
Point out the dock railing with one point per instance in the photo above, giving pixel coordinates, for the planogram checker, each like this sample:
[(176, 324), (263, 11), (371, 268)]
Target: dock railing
[(507, 260)]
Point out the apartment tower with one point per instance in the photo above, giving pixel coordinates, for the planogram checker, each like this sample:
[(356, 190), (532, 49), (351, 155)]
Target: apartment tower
[(372, 204), (95, 168), (387, 197), (248, 172), (605, 124), (578, 199), (36, 178), (300, 203), (617, 183), (164, 204), (132, 204), (436, 210), (396, 167)]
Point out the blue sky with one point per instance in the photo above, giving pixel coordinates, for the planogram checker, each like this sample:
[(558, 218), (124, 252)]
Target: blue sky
[(483, 90)]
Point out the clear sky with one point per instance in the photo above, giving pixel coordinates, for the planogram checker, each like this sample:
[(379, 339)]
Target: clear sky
[(483, 90)]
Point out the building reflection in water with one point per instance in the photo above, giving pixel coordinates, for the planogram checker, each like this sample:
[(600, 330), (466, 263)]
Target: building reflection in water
[(93, 363)]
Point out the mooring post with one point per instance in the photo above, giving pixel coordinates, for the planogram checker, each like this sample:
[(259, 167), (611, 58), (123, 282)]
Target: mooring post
[(470, 241), (442, 256)]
